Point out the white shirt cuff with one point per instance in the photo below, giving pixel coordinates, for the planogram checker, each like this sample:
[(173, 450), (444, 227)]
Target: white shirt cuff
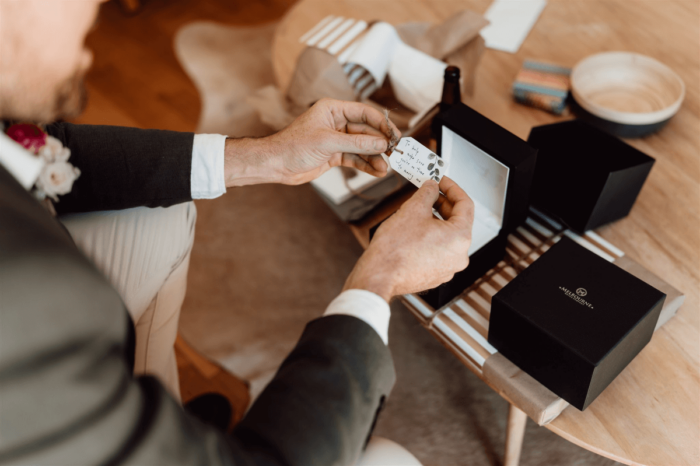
[(366, 306), (207, 178)]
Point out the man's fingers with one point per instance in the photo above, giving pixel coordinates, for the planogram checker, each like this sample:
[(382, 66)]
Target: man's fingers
[(461, 205), (378, 163), (372, 167), (356, 112), (361, 128), (443, 206), (359, 144)]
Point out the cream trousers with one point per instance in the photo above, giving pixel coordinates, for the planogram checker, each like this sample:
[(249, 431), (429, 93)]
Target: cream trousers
[(145, 254)]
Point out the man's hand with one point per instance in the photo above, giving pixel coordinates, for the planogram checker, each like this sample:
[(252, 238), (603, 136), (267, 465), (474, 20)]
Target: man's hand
[(330, 134), (414, 251)]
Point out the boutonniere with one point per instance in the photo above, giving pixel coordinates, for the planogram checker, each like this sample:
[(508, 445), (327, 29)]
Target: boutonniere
[(58, 174)]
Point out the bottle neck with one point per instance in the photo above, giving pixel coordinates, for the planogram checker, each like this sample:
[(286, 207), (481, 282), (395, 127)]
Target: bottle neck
[(450, 95), (450, 90)]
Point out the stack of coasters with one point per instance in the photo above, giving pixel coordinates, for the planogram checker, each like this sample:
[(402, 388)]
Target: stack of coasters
[(542, 85)]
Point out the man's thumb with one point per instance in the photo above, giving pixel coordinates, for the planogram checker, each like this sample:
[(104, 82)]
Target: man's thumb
[(426, 196)]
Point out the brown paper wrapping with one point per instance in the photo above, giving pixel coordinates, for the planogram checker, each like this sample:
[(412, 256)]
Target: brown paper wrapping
[(533, 398), (467, 58), (442, 40), (455, 41), (318, 74)]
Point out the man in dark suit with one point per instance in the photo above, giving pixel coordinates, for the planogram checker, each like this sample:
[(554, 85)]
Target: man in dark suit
[(67, 394)]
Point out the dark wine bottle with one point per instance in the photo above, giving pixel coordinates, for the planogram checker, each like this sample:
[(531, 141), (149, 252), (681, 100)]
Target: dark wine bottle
[(451, 93)]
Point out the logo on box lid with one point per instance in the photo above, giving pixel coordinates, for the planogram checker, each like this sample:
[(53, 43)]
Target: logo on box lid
[(577, 296)]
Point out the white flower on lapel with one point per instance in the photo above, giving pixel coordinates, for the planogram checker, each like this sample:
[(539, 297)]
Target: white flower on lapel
[(57, 175), (53, 151), (56, 178)]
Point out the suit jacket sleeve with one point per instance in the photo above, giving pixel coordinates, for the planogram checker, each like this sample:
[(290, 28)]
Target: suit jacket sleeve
[(68, 396), (125, 167)]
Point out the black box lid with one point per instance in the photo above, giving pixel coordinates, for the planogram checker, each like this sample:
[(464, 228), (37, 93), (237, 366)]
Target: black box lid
[(584, 176)]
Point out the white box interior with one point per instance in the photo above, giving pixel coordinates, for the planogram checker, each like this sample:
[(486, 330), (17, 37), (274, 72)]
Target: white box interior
[(484, 178)]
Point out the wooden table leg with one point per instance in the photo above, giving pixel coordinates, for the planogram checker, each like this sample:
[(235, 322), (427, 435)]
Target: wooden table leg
[(515, 431)]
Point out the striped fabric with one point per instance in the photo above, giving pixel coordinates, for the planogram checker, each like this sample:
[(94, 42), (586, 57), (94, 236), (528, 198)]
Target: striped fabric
[(542, 85), (463, 324), (339, 36)]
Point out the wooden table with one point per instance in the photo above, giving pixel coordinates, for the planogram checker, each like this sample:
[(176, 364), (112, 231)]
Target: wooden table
[(651, 414)]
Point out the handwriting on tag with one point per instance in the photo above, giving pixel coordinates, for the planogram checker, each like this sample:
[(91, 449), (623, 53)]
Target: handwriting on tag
[(417, 163)]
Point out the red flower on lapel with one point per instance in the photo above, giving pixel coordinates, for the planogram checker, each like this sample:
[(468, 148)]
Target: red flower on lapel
[(28, 135)]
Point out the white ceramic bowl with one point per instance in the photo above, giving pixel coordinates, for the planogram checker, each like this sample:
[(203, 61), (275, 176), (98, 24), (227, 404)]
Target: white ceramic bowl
[(627, 89)]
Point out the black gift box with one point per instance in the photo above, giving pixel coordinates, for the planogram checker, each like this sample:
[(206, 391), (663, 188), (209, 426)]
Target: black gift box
[(495, 167), (573, 321), (585, 177)]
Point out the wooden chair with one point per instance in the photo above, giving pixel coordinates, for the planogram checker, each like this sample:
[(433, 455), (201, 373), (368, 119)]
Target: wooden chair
[(199, 375)]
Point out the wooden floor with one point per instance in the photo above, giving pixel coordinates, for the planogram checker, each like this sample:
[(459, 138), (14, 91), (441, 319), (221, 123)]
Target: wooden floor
[(136, 79)]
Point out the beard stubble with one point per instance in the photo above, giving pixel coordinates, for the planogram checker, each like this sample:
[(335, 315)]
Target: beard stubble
[(71, 97)]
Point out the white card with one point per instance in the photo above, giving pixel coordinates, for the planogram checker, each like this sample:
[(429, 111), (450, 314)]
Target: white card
[(417, 163), (510, 22)]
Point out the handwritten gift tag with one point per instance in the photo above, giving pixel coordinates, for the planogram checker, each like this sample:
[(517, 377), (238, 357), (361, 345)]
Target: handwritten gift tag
[(417, 163)]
